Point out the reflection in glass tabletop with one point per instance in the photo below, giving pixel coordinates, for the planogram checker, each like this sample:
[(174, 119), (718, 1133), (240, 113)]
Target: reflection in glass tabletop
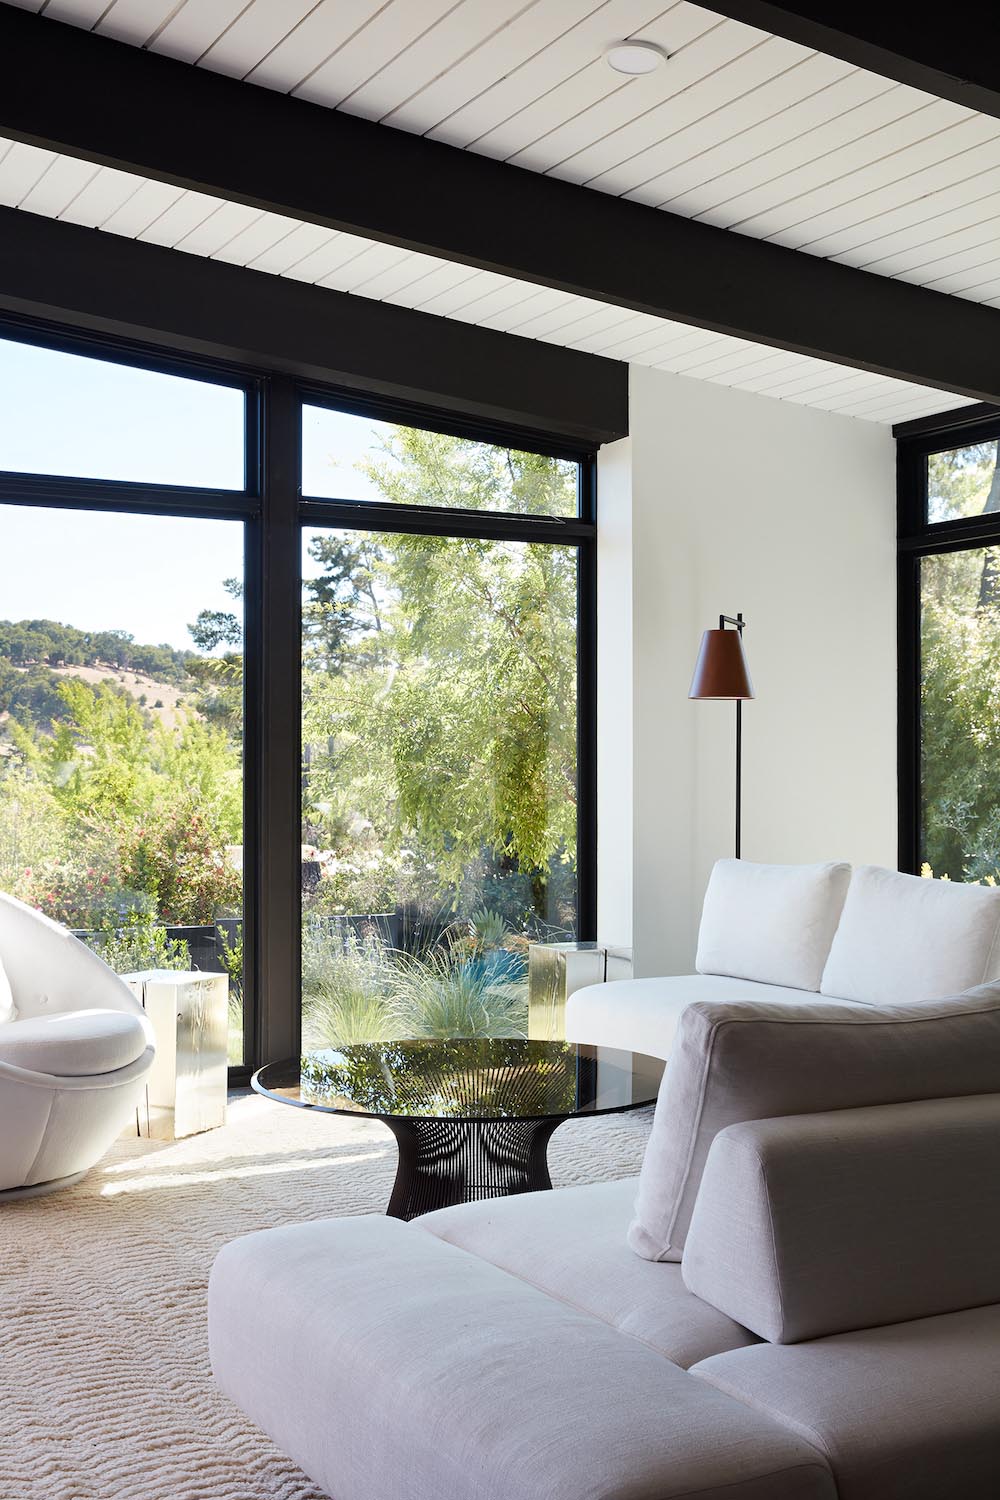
[(472, 1118), (459, 1079)]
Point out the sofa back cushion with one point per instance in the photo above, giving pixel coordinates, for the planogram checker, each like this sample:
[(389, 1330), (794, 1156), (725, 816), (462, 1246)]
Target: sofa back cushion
[(821, 1224), (755, 1061), (903, 938), (771, 923)]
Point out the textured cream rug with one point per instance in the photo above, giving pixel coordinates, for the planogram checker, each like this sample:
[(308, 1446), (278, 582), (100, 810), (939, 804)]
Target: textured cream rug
[(106, 1389)]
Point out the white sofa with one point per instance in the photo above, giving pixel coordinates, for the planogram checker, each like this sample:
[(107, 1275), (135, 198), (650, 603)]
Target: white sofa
[(800, 1306), (780, 933), (797, 1299), (75, 1049)]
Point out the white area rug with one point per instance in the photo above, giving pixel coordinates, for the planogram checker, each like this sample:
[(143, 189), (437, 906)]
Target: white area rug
[(106, 1388)]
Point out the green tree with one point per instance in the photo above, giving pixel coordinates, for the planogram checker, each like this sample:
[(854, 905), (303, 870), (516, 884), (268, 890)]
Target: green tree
[(440, 709), (960, 676)]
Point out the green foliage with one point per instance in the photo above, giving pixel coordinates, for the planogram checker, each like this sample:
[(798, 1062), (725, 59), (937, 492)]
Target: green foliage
[(134, 813), (347, 989), (960, 680), (364, 991), (138, 943), (488, 928), (440, 998), (26, 643), (440, 679), (232, 958)]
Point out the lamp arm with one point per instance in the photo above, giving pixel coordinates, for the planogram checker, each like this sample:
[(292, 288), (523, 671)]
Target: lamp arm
[(736, 620)]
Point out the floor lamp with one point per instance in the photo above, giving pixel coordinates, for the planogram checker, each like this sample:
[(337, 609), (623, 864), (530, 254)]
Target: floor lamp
[(721, 673)]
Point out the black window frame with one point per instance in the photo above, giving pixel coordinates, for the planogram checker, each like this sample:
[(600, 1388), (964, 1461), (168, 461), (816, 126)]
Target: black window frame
[(917, 538), (273, 513)]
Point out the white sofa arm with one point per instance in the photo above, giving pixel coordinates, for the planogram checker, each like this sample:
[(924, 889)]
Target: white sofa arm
[(812, 1225)]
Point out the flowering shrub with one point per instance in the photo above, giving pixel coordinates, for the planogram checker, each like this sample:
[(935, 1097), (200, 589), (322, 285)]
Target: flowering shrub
[(69, 891), (180, 860)]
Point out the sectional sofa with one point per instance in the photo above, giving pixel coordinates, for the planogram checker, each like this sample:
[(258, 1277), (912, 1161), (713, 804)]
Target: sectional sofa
[(798, 1298)]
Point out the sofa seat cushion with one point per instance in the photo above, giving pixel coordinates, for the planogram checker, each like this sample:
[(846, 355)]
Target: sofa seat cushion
[(571, 1244), (642, 1015), (902, 938), (770, 923), (387, 1363), (905, 1412), (74, 1043)]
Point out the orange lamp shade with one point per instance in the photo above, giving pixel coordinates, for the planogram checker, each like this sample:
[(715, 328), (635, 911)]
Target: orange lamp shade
[(721, 669)]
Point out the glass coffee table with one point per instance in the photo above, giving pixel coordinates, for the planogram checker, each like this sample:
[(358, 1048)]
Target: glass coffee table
[(472, 1118)]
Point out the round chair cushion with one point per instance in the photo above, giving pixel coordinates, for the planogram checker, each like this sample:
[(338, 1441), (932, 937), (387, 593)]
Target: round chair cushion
[(74, 1043)]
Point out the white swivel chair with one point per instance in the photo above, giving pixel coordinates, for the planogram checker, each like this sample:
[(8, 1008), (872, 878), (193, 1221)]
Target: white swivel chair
[(73, 1061)]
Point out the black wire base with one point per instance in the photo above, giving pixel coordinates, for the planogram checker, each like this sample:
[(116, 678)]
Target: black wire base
[(442, 1162)]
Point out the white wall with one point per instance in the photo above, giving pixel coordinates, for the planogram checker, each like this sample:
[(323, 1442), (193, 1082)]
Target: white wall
[(721, 501)]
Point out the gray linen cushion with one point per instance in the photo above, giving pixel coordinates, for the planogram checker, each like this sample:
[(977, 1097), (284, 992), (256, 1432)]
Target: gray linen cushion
[(571, 1244), (392, 1366), (908, 1412), (819, 1224), (750, 1061)]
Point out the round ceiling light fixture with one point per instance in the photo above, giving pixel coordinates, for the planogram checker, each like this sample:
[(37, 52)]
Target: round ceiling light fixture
[(635, 58)]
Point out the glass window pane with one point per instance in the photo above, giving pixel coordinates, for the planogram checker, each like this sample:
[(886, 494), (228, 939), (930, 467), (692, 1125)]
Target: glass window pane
[(963, 482), (960, 714), (92, 419), (121, 729), (346, 457), (439, 800)]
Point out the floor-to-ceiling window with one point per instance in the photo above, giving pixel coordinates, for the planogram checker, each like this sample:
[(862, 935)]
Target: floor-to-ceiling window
[(441, 728), (121, 658), (156, 518), (950, 653)]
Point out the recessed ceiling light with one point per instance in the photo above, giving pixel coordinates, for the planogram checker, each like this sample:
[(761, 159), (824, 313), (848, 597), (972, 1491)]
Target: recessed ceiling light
[(635, 57)]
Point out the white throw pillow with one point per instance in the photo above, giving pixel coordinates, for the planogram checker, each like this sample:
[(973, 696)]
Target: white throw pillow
[(8, 1010), (771, 923), (904, 938)]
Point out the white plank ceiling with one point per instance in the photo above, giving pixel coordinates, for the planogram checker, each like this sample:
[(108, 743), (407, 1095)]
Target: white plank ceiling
[(739, 129)]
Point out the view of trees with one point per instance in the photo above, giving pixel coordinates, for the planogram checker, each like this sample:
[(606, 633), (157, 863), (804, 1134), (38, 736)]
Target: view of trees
[(960, 678), (439, 777)]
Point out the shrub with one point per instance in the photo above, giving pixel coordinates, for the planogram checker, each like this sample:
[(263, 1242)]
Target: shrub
[(138, 943), (347, 989), (436, 997)]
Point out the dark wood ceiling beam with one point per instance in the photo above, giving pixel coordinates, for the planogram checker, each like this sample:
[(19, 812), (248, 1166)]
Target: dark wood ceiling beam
[(110, 285), (90, 96), (951, 53)]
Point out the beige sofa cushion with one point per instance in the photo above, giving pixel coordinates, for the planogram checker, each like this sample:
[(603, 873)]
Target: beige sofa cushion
[(571, 1244), (819, 1224), (902, 938), (909, 1412), (753, 1061), (770, 923), (392, 1366)]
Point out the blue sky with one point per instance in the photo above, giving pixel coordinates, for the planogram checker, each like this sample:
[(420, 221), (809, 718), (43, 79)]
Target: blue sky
[(150, 575)]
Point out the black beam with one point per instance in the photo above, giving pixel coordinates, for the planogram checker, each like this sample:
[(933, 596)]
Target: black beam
[(75, 92), (946, 53), (954, 423), (126, 289)]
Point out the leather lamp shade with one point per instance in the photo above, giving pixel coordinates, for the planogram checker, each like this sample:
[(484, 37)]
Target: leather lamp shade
[(721, 669)]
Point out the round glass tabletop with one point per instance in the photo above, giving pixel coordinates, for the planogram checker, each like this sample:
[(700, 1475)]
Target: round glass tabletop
[(464, 1080)]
